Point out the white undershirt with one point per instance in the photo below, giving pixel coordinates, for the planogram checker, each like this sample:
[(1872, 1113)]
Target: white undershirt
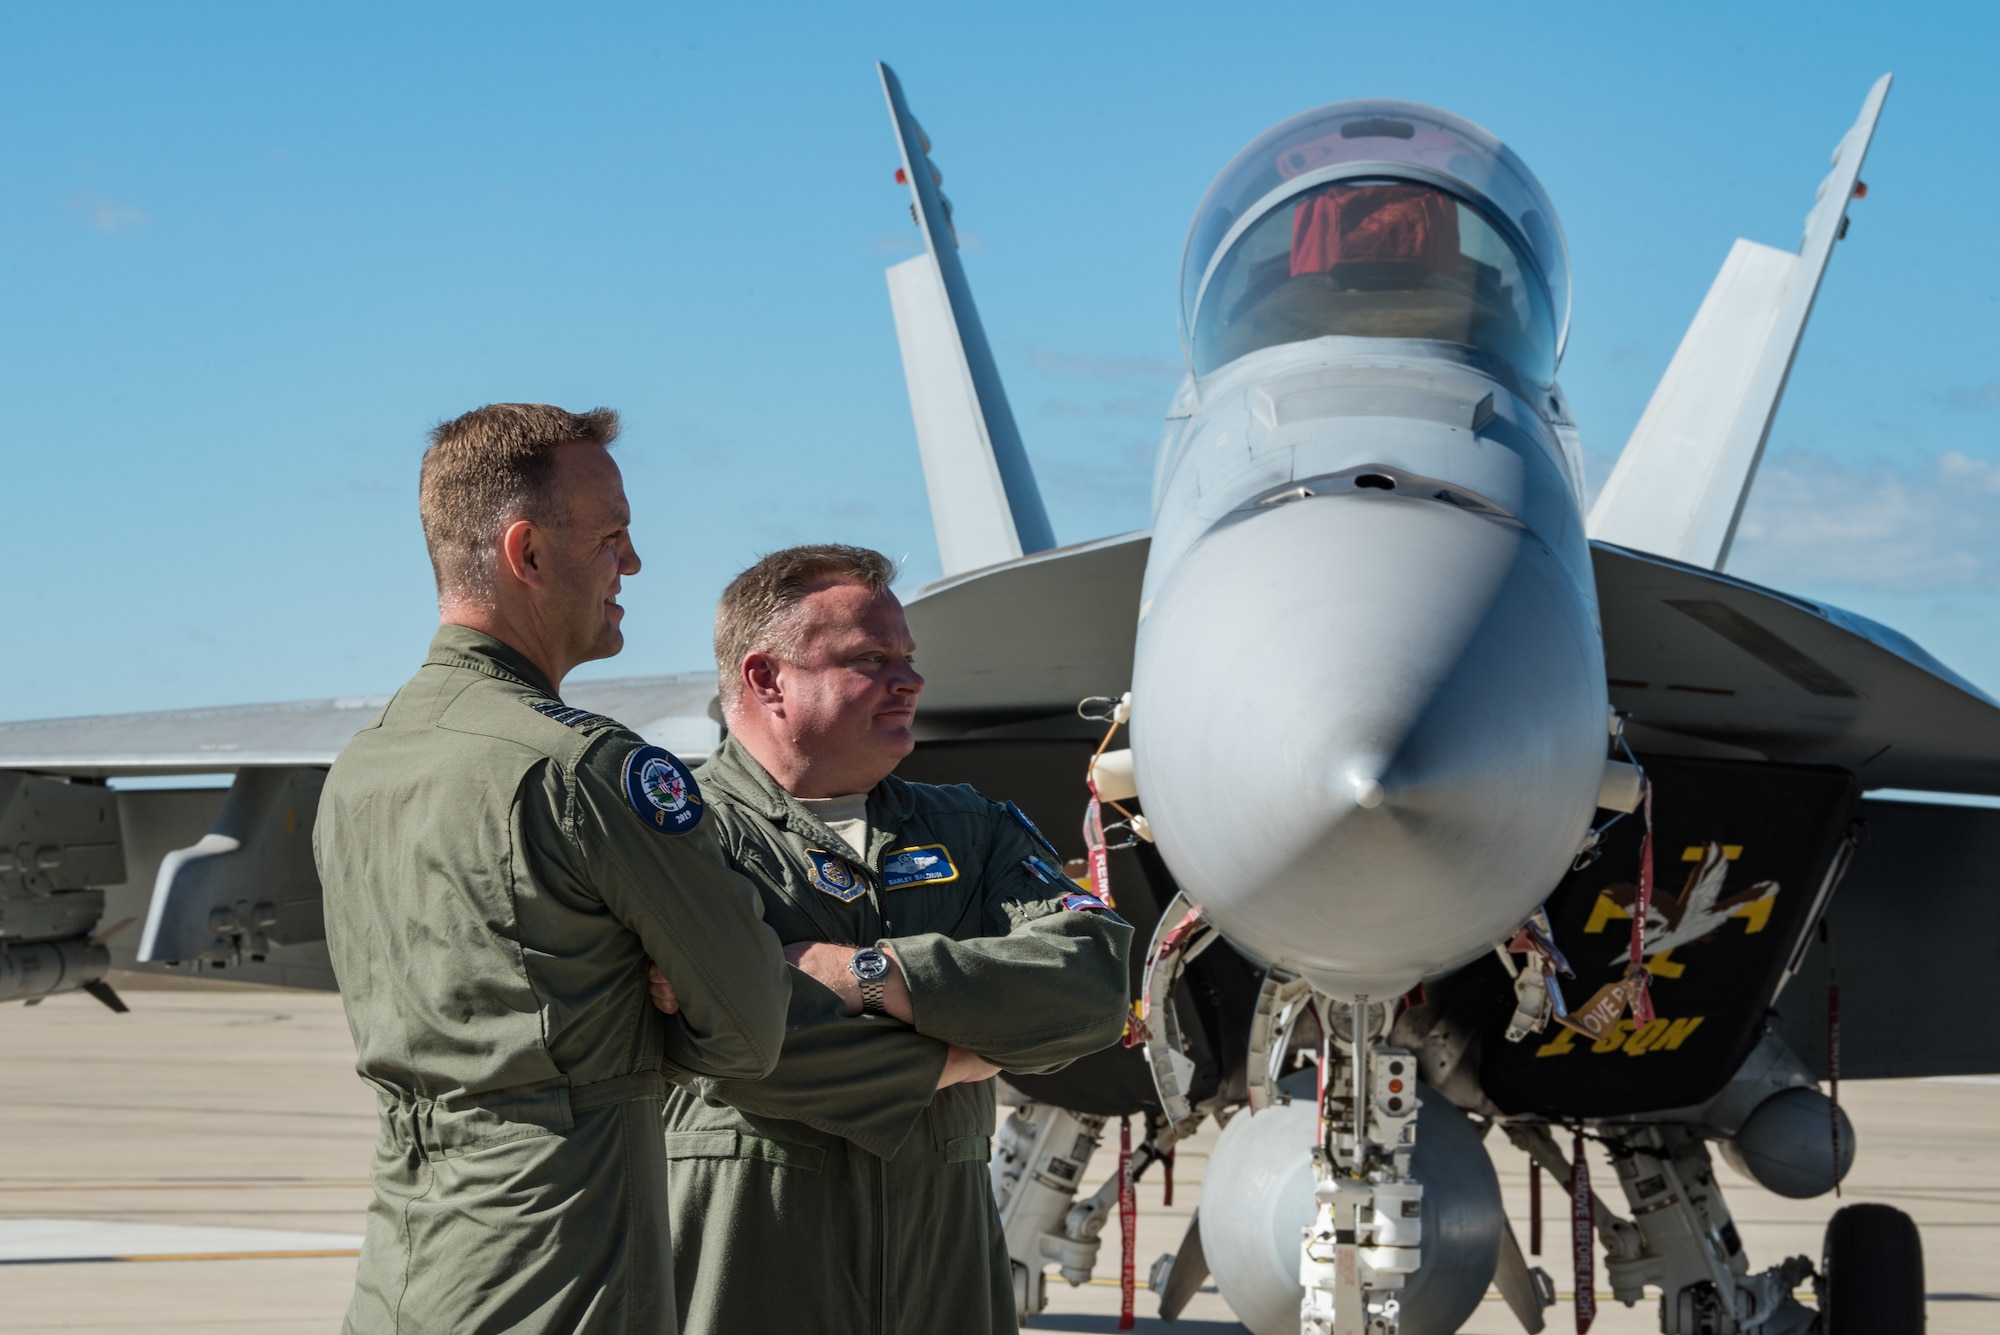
[(845, 816)]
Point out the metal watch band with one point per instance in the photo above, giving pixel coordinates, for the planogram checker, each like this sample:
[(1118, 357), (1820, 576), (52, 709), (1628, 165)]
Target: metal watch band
[(874, 996)]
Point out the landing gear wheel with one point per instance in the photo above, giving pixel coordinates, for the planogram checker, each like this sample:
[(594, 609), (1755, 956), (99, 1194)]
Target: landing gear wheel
[(1871, 1273)]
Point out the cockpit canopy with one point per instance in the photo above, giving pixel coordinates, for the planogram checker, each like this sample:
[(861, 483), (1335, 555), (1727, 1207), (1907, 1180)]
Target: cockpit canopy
[(1381, 220)]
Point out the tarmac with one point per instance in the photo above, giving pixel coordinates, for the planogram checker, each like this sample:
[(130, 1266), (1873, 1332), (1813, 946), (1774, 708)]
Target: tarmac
[(200, 1164)]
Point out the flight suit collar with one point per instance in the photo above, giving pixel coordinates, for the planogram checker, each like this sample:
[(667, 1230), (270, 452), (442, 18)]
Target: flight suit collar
[(464, 647), (742, 776)]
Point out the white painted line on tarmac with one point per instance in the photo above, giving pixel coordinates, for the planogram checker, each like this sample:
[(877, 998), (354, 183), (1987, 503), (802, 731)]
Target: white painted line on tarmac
[(55, 1241)]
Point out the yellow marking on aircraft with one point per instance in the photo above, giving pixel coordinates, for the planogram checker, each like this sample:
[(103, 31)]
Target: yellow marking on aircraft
[(1693, 852), (1603, 911), (1757, 913), (1661, 1035), (1664, 965)]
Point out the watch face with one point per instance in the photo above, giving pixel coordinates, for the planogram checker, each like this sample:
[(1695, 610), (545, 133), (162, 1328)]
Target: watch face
[(869, 965)]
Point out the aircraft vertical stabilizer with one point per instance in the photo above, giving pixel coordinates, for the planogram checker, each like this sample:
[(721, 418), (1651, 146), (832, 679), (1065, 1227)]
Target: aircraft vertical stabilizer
[(984, 501), (1678, 489)]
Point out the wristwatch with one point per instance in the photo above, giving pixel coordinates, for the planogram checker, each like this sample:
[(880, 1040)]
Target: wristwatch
[(870, 967)]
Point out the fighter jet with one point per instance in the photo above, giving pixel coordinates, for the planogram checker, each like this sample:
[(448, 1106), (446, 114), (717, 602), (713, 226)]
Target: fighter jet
[(1407, 731), (1378, 738)]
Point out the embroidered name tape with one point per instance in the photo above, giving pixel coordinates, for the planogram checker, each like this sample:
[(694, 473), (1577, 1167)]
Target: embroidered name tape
[(927, 864), (1021, 818), (831, 875), (662, 791)]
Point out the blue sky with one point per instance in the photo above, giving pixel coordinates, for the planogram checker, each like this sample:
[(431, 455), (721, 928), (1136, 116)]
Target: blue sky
[(252, 252)]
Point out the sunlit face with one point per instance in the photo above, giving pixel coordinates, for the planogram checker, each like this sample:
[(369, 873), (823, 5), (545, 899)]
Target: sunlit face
[(849, 686), (588, 552)]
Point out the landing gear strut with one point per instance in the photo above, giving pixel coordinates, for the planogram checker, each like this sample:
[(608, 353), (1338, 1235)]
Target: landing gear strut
[(1366, 1237)]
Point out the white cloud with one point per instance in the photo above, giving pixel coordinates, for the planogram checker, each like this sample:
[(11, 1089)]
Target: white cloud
[(1971, 398), (1963, 471), (102, 213), (1100, 366), (1926, 526), (895, 243)]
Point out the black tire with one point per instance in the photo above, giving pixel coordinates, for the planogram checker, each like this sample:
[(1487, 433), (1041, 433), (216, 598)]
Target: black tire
[(1872, 1273)]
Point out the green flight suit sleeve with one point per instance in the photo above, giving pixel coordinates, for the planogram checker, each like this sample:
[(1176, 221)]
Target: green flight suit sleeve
[(699, 921), (863, 1078), (1046, 986)]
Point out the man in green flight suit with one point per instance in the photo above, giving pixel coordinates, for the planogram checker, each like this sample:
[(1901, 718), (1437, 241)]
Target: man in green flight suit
[(848, 1191), (498, 868)]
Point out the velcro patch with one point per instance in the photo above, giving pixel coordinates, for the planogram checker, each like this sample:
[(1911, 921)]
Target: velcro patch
[(661, 790), (1021, 818), (568, 715), (831, 875), (926, 864), (1082, 903), (1044, 873)]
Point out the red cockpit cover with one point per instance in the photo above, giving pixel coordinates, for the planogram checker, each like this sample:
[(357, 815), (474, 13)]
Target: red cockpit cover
[(1397, 224)]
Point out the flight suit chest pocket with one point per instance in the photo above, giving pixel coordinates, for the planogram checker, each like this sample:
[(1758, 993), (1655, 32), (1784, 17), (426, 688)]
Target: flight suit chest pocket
[(928, 886)]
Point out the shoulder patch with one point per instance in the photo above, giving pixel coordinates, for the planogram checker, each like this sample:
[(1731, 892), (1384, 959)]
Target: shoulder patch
[(924, 864), (570, 716), (661, 791), (831, 875), (1021, 818), (1082, 903)]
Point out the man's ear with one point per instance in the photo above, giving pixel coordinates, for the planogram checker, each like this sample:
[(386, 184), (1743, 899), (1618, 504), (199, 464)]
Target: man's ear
[(520, 553), (760, 680)]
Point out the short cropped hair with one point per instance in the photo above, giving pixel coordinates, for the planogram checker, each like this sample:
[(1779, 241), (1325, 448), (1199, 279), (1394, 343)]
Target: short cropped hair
[(484, 471), (757, 613)]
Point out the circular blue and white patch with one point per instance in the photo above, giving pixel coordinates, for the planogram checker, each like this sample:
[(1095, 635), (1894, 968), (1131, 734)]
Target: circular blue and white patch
[(662, 791)]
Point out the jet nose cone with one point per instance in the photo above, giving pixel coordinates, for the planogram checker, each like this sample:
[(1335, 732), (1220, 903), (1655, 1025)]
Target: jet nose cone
[(1368, 733)]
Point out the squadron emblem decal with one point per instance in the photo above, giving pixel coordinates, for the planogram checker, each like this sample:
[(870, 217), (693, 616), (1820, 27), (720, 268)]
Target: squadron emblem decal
[(662, 791), (830, 875), (1694, 918)]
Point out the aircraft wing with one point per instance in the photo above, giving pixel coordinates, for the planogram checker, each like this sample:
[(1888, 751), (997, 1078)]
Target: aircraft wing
[(1704, 664), (1710, 665), (1679, 486), (1031, 637), (670, 711), (213, 879)]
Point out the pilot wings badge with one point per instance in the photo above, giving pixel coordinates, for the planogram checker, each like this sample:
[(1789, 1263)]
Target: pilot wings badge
[(832, 876)]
